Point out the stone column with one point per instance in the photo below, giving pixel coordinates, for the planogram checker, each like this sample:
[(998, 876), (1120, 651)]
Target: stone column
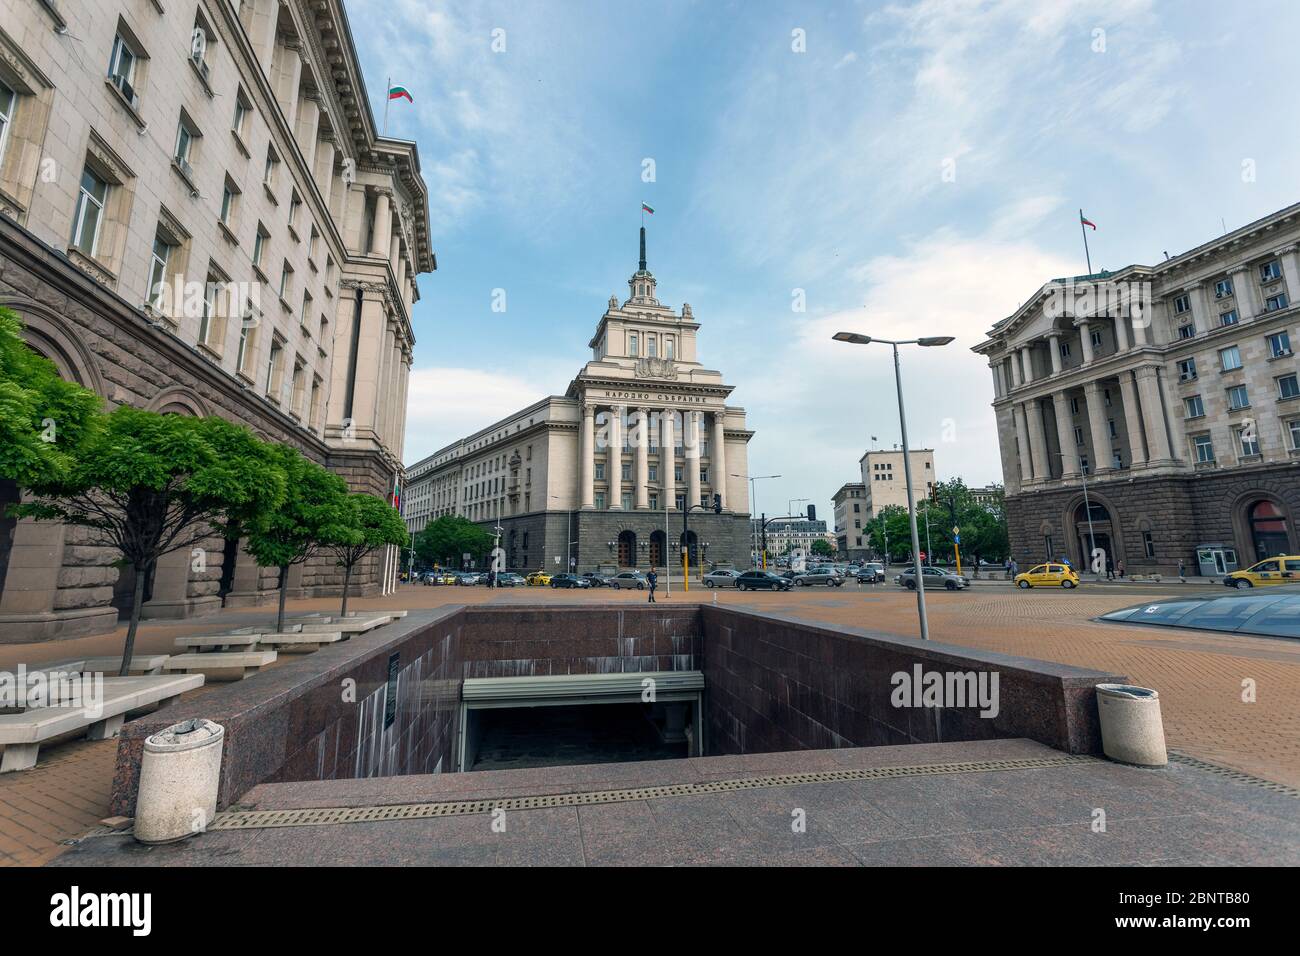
[(1085, 341), (1148, 383), (588, 452), (1065, 435), (1037, 443), (379, 239), (1097, 428), (1022, 443), (1054, 347), (642, 458), (1121, 334), (667, 458), (614, 457), (719, 455), (1290, 271), (1133, 418), (324, 167), (1017, 371), (306, 125), (1202, 321), (1244, 294), (1027, 360), (692, 426)]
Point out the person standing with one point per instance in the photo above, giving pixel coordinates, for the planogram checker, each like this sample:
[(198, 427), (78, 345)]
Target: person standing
[(1182, 571), (653, 580)]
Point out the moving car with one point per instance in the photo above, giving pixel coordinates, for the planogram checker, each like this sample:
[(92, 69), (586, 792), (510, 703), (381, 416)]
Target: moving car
[(597, 579), (935, 578), (871, 572), (762, 581), (721, 579), (1284, 569), (539, 579), (508, 579), (827, 576), (628, 579), (1047, 576), (569, 581)]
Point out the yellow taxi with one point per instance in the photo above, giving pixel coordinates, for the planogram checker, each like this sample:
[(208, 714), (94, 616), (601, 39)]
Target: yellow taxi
[(538, 579), (1048, 576), (446, 577), (1284, 569)]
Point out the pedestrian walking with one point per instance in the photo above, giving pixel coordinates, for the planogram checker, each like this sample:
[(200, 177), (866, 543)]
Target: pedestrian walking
[(653, 580), (1121, 569), (1110, 570), (1182, 571)]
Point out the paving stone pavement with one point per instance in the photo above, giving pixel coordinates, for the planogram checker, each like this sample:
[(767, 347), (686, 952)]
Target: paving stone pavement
[(1199, 675)]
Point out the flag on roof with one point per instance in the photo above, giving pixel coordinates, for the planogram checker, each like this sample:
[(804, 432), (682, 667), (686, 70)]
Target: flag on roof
[(398, 92), (1087, 222), (645, 207)]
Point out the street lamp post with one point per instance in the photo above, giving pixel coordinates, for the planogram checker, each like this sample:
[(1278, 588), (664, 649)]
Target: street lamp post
[(753, 509), (857, 338), (568, 536)]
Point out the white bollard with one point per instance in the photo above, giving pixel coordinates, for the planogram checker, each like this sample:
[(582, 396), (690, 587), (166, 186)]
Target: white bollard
[(1131, 728), (179, 776)]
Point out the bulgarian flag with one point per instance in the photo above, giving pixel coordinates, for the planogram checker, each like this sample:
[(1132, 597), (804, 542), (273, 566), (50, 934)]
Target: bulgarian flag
[(399, 92), (645, 207), (1086, 222)]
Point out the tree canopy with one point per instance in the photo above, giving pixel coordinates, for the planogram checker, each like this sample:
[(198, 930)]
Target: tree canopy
[(983, 527), (370, 523), (445, 539)]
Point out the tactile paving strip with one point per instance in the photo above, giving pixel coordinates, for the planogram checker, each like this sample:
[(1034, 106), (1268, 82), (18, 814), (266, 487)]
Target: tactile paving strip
[(1239, 776), (325, 816)]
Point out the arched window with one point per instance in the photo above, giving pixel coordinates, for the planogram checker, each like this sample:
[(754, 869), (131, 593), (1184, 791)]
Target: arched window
[(1268, 529)]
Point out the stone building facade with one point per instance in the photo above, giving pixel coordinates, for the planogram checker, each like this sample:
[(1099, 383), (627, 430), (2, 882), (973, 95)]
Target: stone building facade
[(884, 478), (852, 537), (599, 476), (1171, 391), (198, 215)]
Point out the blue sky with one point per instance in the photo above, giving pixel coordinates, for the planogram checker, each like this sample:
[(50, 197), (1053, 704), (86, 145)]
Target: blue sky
[(916, 169)]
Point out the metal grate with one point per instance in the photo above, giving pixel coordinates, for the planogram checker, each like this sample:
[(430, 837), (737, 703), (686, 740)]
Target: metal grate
[(1237, 776), (265, 819)]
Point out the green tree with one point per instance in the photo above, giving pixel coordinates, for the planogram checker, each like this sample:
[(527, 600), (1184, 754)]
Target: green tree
[(150, 484), (822, 548), (313, 513), (371, 523), (445, 539), (43, 419)]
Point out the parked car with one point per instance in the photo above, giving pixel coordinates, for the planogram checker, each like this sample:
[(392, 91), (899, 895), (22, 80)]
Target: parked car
[(871, 573), (935, 578), (569, 581), (828, 576), (508, 579), (447, 577), (628, 579), (597, 579), (1047, 576), (762, 581), (721, 579), (539, 579), (1284, 569), (470, 578)]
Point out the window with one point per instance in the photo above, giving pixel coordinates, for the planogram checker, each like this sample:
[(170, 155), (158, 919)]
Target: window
[(121, 69), (273, 368), (1275, 302), (1182, 304), (228, 194), (1078, 435), (680, 502), (1237, 398), (162, 252), (1186, 331), (1279, 344), (631, 344), (627, 501), (1228, 318), (1270, 271), (90, 212), (259, 244), (1293, 429), (286, 280), (271, 172), (677, 472), (668, 346), (183, 152), (1287, 386), (239, 124), (1248, 441), (247, 340), (600, 471), (600, 501), (704, 475), (626, 472), (299, 387), (1095, 338), (1083, 466), (295, 203), (209, 309), (1204, 449), (1230, 358), (1148, 544), (306, 309), (1074, 405), (1187, 370), (8, 99), (652, 346), (654, 502), (199, 41), (1110, 425), (1194, 406), (1105, 393), (1065, 350), (653, 473), (1222, 287)]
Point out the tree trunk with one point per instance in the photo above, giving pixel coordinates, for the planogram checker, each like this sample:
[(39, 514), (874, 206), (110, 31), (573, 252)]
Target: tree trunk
[(279, 618), (347, 578), (137, 600)]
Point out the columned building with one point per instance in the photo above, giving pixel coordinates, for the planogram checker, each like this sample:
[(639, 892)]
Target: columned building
[(600, 476), (199, 216), (1172, 392)]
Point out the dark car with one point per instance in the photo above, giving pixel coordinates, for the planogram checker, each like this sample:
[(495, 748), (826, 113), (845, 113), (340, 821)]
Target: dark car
[(762, 581), (569, 581), (597, 579)]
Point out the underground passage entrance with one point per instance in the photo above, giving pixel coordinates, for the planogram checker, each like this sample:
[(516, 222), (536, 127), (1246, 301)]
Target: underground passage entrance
[(516, 722)]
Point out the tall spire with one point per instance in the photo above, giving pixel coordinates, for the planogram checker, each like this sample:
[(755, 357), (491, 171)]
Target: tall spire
[(643, 249)]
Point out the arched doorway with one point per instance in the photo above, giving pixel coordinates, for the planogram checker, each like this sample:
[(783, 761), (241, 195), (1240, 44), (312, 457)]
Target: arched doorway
[(658, 549), (1268, 529), (627, 549), (689, 537), (1092, 525)]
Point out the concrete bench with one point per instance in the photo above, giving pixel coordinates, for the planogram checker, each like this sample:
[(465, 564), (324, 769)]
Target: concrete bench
[(22, 734), (222, 665), (302, 642), (218, 642), (349, 625)]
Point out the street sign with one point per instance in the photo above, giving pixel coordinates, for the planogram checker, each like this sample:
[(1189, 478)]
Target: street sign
[(956, 530)]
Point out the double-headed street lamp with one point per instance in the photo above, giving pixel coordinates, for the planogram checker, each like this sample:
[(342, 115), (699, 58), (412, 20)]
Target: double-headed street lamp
[(856, 338), (753, 507)]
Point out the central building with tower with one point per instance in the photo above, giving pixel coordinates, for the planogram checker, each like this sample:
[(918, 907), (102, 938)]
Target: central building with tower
[(600, 475)]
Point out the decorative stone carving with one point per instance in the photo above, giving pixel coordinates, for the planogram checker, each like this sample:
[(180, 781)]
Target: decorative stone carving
[(656, 368)]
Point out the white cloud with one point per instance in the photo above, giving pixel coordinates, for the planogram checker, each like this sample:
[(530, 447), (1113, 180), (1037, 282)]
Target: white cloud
[(446, 404)]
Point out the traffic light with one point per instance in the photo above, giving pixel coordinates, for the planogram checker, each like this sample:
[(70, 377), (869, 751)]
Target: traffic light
[(717, 504), (812, 512)]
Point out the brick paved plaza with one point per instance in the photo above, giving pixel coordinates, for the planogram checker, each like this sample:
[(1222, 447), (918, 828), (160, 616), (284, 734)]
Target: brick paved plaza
[(1199, 676)]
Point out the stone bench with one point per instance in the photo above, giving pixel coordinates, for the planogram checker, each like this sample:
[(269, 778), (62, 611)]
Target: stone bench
[(349, 625), (222, 665), (301, 642), (218, 642), (22, 734), (141, 665)]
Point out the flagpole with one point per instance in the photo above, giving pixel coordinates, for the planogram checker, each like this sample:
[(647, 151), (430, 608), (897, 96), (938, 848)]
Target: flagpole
[(388, 86), (1086, 253)]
